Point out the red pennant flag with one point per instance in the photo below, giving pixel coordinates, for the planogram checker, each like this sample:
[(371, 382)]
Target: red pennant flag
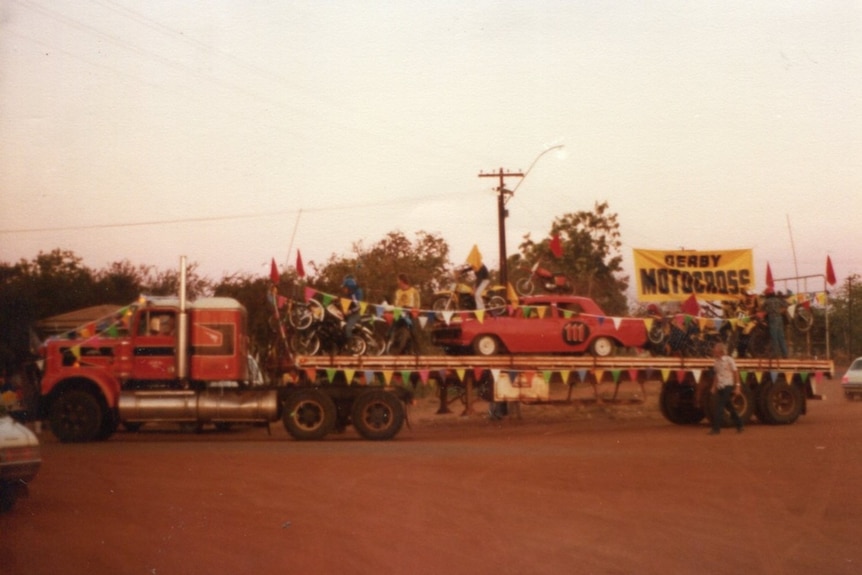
[(273, 272), (770, 283), (556, 246), (690, 306), (300, 269), (830, 272)]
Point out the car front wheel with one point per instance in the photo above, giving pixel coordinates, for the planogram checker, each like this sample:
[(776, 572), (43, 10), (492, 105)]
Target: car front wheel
[(603, 347), (486, 345)]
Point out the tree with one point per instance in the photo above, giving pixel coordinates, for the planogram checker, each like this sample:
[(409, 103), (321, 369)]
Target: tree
[(424, 260), (591, 256), (845, 309)]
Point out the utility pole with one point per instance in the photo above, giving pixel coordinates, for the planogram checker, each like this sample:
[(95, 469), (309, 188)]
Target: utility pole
[(502, 196)]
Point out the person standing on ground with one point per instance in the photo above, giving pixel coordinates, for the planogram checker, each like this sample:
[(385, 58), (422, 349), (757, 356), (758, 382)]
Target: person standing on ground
[(725, 385), (775, 308)]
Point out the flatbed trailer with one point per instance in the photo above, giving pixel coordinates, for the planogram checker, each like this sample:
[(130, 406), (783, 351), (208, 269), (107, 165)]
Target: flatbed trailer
[(775, 390)]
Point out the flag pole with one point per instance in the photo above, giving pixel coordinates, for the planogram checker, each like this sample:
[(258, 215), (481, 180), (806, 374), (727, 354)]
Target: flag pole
[(793, 248), (292, 237)]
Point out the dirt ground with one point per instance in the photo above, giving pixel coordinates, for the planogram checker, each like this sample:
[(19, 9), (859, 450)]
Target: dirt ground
[(591, 487)]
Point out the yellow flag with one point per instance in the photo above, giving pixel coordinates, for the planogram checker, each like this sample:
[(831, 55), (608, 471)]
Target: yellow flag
[(475, 258)]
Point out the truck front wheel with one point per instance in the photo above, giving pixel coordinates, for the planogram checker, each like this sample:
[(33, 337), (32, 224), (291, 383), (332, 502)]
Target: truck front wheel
[(309, 414), (76, 417), (378, 415)]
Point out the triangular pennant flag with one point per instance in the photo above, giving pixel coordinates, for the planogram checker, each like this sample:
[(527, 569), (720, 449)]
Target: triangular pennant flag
[(369, 377), (330, 374), (615, 374), (423, 321), (696, 373), (423, 376), (665, 373), (582, 374), (474, 258), (617, 322), (273, 272), (460, 373), (348, 375), (633, 375), (309, 293), (345, 303), (830, 272), (387, 376), (447, 316), (480, 315), (599, 374), (300, 269), (546, 375), (556, 246), (770, 283), (774, 375)]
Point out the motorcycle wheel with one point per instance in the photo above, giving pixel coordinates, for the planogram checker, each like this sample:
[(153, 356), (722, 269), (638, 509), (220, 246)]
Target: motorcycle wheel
[(355, 345), (803, 319), (302, 315), (524, 285), (443, 304), (496, 305), (304, 343)]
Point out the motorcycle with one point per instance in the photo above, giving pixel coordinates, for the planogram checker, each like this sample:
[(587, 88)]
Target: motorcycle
[(327, 335), (461, 296), (539, 277)]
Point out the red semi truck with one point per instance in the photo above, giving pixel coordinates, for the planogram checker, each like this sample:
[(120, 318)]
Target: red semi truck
[(168, 360)]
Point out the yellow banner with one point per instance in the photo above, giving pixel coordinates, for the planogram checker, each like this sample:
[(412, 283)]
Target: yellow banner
[(662, 275)]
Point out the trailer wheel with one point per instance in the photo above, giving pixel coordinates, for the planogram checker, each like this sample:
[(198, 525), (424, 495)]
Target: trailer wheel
[(743, 404), (76, 417), (377, 415), (678, 404), (309, 414), (780, 403)]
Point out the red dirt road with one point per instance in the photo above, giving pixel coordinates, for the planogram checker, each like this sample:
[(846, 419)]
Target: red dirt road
[(574, 489)]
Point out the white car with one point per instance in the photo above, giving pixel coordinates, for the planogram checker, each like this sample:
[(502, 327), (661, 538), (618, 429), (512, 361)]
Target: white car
[(851, 383), (20, 460)]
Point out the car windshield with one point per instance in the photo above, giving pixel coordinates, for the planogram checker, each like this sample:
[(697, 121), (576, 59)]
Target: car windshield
[(857, 365)]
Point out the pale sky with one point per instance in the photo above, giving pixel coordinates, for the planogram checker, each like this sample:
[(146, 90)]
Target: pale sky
[(229, 131)]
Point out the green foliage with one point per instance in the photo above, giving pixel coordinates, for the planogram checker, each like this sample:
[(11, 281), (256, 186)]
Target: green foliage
[(591, 256), (424, 260), (252, 293), (845, 319)]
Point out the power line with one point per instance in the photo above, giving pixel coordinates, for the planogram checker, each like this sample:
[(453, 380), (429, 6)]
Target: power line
[(270, 214)]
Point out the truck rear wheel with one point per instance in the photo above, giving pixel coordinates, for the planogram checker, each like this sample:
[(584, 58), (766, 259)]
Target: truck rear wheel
[(743, 405), (76, 417), (378, 415), (678, 403), (309, 414), (780, 403)]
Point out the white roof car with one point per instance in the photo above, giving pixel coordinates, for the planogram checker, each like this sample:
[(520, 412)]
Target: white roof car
[(851, 383), (20, 460)]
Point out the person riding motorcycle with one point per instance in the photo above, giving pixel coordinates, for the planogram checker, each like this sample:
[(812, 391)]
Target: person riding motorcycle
[(352, 292)]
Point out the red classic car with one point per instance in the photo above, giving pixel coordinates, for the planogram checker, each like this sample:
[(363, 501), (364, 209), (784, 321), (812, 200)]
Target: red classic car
[(543, 324)]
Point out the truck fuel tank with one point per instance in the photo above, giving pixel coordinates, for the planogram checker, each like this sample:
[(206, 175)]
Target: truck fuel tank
[(219, 404)]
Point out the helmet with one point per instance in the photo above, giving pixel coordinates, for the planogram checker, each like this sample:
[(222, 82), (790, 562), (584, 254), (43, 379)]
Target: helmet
[(349, 282)]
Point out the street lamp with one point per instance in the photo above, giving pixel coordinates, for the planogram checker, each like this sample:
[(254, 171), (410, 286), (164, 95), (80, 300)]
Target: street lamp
[(502, 197)]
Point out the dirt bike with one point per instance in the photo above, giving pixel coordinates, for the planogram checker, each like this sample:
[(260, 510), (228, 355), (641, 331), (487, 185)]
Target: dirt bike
[(460, 296), (540, 278), (327, 335)]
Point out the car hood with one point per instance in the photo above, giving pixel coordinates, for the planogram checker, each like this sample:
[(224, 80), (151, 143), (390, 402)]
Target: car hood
[(13, 434)]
